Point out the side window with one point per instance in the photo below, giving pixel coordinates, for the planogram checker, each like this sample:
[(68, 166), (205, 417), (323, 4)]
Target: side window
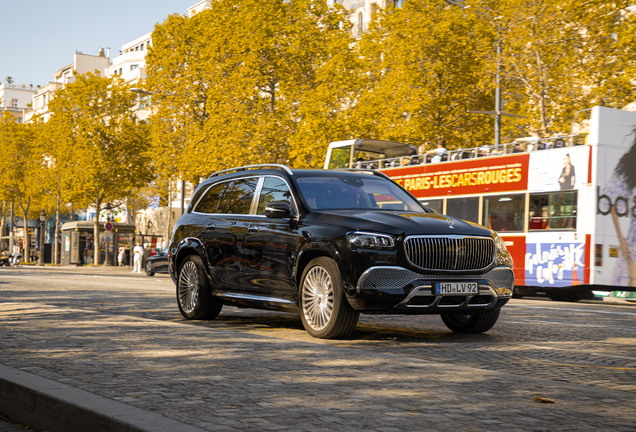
[(463, 208), (238, 197), (504, 212), (274, 190), (210, 200)]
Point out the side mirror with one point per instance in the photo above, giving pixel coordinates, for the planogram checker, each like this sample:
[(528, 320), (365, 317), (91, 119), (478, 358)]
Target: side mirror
[(278, 210)]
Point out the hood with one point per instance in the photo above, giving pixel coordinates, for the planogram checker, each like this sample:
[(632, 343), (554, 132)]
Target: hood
[(392, 222)]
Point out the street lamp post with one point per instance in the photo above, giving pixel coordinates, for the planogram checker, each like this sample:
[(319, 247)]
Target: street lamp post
[(41, 242)]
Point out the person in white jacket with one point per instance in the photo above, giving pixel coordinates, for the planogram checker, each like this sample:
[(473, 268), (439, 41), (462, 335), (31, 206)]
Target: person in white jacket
[(138, 257)]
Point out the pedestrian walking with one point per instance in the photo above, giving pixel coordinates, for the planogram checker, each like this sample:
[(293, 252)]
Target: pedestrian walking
[(138, 256), (120, 257)]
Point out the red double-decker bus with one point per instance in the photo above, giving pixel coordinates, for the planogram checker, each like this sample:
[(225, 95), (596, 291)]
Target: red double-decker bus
[(565, 206)]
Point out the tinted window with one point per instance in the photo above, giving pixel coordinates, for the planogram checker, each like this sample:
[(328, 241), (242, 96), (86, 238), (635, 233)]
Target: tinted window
[(504, 212), (210, 200), (274, 190), (238, 197), (463, 208), (349, 192)]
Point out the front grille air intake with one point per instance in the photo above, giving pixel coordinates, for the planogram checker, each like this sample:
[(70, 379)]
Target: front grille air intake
[(450, 252)]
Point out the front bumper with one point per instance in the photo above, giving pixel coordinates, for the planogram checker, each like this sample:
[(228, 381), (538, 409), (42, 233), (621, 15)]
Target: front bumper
[(392, 289)]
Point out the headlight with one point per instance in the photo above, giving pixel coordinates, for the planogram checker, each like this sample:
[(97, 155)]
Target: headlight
[(367, 240), (502, 256)]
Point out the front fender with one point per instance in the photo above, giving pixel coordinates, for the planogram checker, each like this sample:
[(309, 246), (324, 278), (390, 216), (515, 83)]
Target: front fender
[(321, 247)]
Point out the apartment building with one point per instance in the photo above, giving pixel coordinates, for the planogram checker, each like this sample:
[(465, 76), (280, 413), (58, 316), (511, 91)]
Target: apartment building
[(198, 6), (16, 99), (361, 11), (82, 63), (130, 64)]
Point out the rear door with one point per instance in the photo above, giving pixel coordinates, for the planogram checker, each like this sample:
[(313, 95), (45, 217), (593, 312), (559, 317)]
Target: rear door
[(232, 214)]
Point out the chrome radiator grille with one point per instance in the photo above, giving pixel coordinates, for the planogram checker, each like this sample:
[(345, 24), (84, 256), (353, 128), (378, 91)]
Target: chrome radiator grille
[(450, 252)]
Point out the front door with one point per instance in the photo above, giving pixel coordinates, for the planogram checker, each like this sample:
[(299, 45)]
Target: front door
[(270, 245)]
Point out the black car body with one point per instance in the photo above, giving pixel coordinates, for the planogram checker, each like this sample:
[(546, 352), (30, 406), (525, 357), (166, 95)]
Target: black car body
[(333, 243), (158, 263)]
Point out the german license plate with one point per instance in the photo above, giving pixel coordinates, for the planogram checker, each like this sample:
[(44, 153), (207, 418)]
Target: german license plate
[(456, 288)]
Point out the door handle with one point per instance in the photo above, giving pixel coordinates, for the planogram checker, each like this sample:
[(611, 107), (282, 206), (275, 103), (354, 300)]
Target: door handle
[(210, 227), (252, 229)]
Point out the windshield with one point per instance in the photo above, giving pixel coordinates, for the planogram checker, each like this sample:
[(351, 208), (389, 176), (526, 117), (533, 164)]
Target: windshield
[(349, 192)]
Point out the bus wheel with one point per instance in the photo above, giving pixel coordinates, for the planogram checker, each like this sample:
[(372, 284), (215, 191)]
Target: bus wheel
[(563, 296)]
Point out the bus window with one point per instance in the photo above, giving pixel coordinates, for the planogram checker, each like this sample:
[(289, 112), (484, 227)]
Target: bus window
[(539, 212), (339, 157), (554, 211), (504, 212), (563, 211), (463, 208), (434, 204)]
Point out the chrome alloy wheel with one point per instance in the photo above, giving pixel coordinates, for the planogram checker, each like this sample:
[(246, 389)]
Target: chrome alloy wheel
[(317, 300), (188, 286)]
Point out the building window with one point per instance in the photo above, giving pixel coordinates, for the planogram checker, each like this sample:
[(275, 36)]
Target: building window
[(14, 103), (360, 23), (142, 47), (119, 71), (137, 48), (133, 67)]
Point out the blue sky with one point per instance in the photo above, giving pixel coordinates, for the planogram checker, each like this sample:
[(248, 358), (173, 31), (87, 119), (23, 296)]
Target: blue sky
[(39, 37)]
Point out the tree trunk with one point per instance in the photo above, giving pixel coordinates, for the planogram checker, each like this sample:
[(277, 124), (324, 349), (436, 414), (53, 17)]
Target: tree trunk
[(98, 205), (25, 236), (56, 246), (3, 224)]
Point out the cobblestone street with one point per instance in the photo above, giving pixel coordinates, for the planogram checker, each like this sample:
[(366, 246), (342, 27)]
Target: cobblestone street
[(121, 337)]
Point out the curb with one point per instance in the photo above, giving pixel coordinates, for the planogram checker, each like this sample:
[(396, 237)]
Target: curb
[(47, 405)]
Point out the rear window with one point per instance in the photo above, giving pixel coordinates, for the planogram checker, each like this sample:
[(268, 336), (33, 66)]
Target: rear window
[(323, 193)]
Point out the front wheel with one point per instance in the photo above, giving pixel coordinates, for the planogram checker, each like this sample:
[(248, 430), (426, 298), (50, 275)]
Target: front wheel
[(194, 296), (477, 322), (324, 309), (149, 271)]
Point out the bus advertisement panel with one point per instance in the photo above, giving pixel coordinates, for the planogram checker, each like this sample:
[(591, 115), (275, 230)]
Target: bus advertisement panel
[(615, 198)]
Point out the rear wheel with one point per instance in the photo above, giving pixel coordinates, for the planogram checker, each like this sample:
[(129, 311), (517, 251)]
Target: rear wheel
[(194, 296), (324, 309), (477, 322)]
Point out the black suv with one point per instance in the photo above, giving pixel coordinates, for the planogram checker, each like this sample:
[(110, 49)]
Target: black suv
[(329, 245)]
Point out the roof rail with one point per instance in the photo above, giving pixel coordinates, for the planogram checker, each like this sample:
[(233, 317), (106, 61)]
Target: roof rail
[(364, 171), (244, 168)]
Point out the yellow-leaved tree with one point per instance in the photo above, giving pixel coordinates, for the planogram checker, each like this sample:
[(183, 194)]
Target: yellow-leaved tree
[(248, 82), (426, 65), (95, 116), (19, 169)]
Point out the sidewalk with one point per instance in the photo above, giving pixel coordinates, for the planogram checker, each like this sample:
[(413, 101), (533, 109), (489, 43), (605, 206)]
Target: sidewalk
[(83, 269), (71, 370)]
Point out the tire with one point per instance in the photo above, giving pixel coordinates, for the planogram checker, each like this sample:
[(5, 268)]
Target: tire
[(324, 309), (477, 322), (194, 295), (149, 271)]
